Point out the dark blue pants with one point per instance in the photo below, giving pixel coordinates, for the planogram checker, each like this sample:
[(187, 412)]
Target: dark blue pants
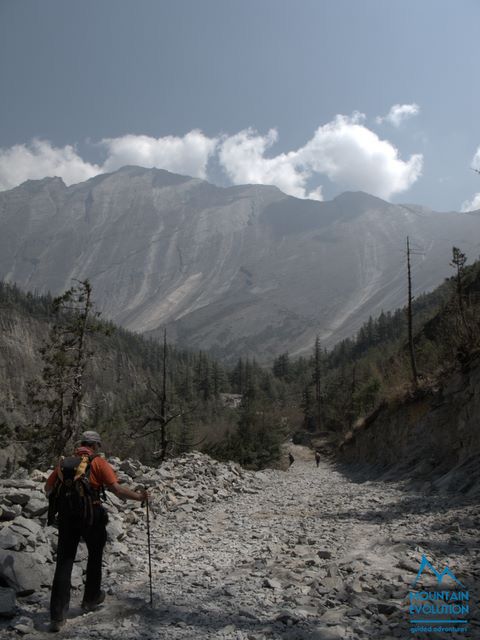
[(69, 534)]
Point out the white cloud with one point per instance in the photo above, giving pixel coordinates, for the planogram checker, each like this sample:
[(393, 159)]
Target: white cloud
[(39, 160), (346, 151), (242, 158), (355, 158), (188, 155), (476, 160), (474, 203), (471, 205), (398, 113)]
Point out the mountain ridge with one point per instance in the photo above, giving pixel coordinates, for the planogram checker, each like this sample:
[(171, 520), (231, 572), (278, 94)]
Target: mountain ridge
[(243, 270)]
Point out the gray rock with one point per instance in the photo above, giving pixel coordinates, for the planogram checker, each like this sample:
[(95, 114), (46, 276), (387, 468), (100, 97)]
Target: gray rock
[(26, 526), (11, 539), (115, 529), (129, 467), (387, 608), (9, 512), (271, 583), (36, 506), (77, 576), (334, 616), (24, 625), (17, 497), (7, 602), (230, 628), (24, 572), (337, 632)]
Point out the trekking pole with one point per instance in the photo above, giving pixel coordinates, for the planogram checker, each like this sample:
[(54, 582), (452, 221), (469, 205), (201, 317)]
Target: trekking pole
[(149, 553)]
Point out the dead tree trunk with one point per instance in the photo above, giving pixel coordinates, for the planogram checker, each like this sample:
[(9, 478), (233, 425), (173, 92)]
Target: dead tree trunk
[(411, 346)]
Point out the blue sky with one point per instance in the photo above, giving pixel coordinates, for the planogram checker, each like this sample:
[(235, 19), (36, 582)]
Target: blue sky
[(314, 96)]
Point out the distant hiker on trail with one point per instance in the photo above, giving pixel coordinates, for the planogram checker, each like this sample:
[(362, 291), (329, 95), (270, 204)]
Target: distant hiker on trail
[(74, 489), (291, 459), (317, 457)]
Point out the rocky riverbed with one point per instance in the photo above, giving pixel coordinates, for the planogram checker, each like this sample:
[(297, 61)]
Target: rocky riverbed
[(307, 553)]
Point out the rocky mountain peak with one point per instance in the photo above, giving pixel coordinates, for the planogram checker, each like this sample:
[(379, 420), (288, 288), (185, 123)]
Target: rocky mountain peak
[(244, 270)]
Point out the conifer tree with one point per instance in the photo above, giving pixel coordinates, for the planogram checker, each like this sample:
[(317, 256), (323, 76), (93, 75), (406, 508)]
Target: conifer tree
[(458, 262), (317, 380), (58, 395)]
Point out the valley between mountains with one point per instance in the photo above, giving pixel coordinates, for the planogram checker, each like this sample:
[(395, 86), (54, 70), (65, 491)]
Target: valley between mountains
[(305, 553)]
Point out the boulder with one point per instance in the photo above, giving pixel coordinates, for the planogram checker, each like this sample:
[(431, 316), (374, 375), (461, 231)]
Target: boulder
[(7, 602), (27, 527), (10, 539), (130, 468), (10, 512), (24, 572), (37, 475), (37, 505), (17, 497)]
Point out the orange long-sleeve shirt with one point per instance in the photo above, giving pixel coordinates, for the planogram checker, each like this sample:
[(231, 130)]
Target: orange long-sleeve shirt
[(101, 473)]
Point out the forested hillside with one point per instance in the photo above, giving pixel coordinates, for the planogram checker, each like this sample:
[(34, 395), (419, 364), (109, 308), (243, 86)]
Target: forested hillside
[(334, 389), (242, 412), (125, 397)]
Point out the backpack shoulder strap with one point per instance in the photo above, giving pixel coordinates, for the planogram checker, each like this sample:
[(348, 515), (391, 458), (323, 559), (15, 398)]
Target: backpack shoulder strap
[(59, 468), (101, 490), (91, 458)]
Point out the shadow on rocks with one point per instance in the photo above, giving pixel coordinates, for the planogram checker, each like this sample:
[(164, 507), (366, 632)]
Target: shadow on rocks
[(413, 505), (197, 621)]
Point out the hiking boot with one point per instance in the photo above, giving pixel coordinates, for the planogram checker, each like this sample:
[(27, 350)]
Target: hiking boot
[(91, 606), (56, 625)]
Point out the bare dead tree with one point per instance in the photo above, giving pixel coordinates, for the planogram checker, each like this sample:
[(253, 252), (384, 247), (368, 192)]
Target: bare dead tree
[(159, 413), (411, 346)]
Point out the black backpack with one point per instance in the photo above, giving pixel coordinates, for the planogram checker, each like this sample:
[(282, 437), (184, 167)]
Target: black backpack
[(73, 497)]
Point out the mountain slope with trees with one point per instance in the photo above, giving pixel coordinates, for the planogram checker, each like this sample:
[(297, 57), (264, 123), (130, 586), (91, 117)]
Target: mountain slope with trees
[(335, 392), (123, 394)]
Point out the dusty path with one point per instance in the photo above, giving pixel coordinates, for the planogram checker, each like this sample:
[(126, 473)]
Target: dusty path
[(308, 554)]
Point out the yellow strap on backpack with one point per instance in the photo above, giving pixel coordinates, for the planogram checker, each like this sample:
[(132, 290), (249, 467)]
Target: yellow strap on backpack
[(82, 467)]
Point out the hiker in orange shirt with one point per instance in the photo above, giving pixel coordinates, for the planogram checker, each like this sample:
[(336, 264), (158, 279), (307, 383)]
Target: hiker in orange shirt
[(74, 489)]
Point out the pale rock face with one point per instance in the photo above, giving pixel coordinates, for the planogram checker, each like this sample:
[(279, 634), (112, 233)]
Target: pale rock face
[(244, 270)]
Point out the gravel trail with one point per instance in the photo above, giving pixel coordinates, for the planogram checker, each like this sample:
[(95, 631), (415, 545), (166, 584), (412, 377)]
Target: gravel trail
[(306, 553)]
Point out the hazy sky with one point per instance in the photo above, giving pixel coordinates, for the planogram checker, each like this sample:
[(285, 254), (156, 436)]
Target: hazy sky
[(314, 96)]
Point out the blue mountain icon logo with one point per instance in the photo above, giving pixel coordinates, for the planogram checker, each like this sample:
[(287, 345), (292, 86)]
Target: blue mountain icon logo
[(425, 564)]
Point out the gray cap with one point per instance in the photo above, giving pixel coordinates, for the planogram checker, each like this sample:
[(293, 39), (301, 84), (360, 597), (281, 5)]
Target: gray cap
[(90, 436)]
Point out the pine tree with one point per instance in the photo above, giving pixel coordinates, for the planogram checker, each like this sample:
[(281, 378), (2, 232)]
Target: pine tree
[(317, 380), (458, 262), (58, 395), (281, 367)]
